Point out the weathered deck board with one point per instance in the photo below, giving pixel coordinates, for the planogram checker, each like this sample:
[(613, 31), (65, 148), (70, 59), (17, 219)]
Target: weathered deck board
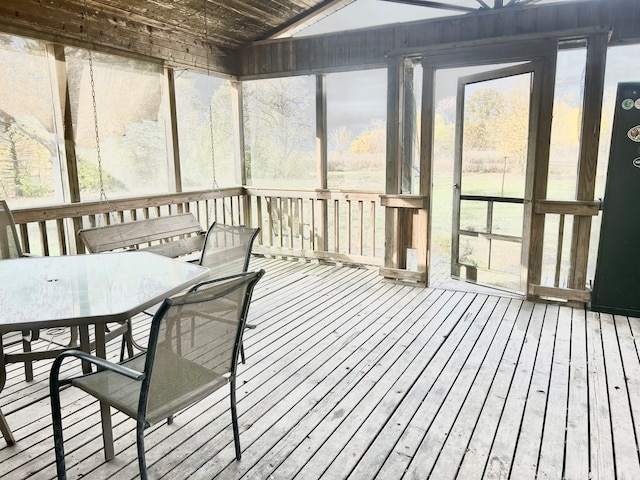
[(349, 376)]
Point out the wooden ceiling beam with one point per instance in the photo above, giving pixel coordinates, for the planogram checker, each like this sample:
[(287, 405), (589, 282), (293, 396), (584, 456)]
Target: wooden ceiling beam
[(309, 17), (428, 3)]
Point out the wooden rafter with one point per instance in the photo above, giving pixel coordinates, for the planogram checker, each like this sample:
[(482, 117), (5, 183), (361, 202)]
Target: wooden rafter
[(482, 4), (440, 5), (309, 17)]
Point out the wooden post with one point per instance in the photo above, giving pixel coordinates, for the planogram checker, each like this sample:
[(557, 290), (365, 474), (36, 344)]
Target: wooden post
[(392, 257), (70, 184), (406, 215), (321, 160), (408, 132), (239, 159), (173, 149), (588, 159), (426, 162), (541, 172)]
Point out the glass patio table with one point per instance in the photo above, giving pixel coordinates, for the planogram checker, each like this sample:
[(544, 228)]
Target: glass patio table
[(82, 290)]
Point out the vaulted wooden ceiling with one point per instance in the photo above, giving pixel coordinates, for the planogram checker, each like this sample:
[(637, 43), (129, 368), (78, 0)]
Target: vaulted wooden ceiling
[(228, 24), (212, 35)]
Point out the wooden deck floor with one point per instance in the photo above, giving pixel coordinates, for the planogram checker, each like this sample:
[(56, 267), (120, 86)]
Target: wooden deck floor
[(349, 376)]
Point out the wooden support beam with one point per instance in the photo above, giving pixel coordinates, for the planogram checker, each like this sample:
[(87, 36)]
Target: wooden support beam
[(69, 183), (533, 241), (171, 134), (568, 207), (588, 159), (568, 294), (394, 118), (404, 201), (322, 160)]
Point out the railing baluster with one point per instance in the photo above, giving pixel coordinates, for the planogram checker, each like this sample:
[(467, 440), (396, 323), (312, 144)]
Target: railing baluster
[(372, 227), (24, 237), (301, 216), (280, 219), (291, 218), (556, 281), (62, 238), (312, 227), (44, 238), (360, 227), (259, 214), (348, 229), (489, 229), (336, 224)]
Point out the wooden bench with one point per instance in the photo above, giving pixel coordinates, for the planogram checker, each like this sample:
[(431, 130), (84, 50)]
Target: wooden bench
[(174, 236)]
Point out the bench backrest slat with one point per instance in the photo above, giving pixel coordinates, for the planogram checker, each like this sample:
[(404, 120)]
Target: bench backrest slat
[(131, 234)]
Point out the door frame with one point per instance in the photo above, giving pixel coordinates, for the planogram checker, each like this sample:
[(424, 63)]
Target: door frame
[(534, 68), (543, 53)]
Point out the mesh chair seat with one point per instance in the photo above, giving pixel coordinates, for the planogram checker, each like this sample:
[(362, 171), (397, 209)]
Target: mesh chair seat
[(227, 251), (180, 383), (194, 346)]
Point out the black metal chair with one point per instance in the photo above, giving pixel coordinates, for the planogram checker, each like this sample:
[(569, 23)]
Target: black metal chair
[(227, 251), (193, 350)]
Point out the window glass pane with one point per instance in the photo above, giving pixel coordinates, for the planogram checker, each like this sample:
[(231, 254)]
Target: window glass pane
[(205, 131), (131, 128), (473, 216), (566, 125), (356, 122), (495, 136), (29, 161), (279, 129), (507, 219)]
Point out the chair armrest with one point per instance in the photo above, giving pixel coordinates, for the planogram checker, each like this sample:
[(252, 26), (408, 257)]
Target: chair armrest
[(100, 362)]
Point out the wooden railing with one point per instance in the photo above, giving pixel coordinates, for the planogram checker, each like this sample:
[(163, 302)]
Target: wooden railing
[(339, 226), (331, 225), (557, 250), (51, 230)]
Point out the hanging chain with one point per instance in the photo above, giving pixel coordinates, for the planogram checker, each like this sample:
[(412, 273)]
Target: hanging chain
[(214, 185), (103, 195), (215, 188)]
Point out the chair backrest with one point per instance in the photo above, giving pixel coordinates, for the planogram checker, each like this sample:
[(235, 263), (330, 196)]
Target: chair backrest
[(194, 344), (9, 241), (227, 249)]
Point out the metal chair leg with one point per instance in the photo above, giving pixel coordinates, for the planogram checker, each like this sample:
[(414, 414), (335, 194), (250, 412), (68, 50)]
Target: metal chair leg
[(56, 416), (234, 420), (242, 351), (142, 462), (28, 336)]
